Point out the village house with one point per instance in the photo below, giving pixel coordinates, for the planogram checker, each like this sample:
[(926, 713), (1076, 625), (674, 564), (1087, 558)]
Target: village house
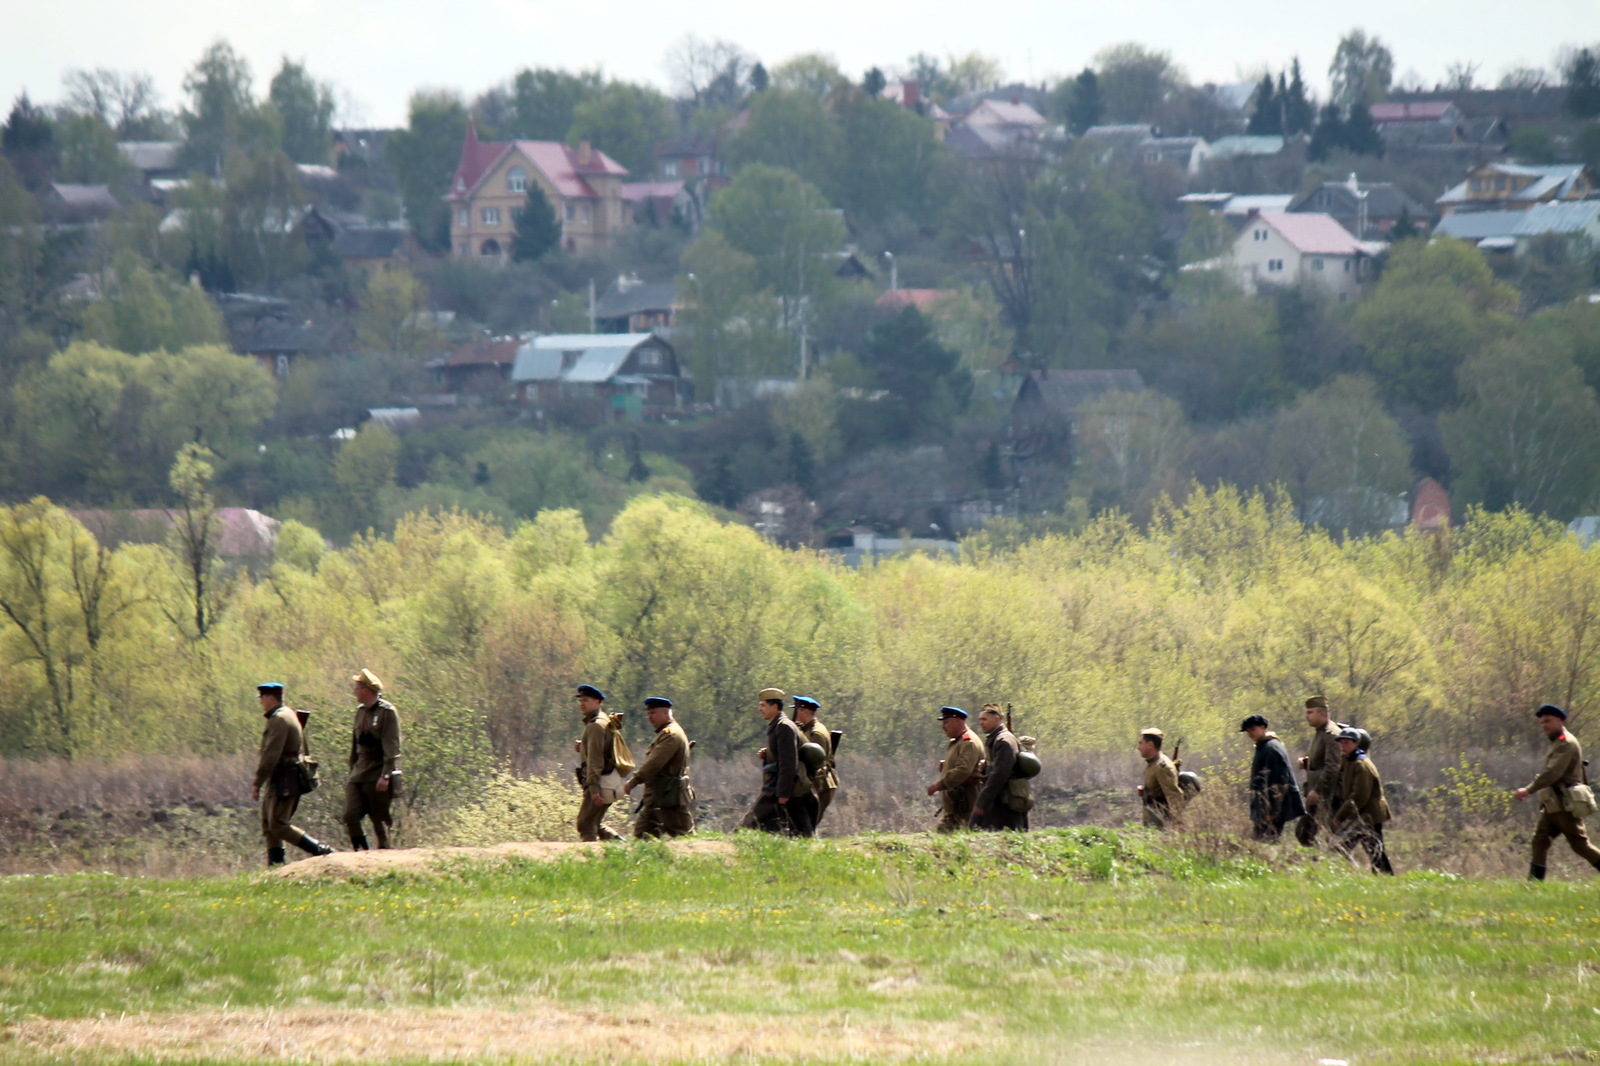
[(1277, 248), (1517, 187), (1368, 209), (481, 367), (1513, 231), (491, 183), (632, 306), (594, 378), (1044, 415)]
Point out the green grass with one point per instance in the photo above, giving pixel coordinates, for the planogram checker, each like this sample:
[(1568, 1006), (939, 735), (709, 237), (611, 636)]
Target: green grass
[(1074, 945)]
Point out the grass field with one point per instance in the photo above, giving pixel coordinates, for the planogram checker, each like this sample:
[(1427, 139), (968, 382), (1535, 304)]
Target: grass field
[(1079, 945)]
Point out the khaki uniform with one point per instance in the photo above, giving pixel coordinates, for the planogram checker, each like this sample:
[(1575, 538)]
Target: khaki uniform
[(824, 782), (1563, 768), (1000, 794), (1361, 817), (278, 778), (1324, 776), (1163, 799), (959, 780), (785, 775), (668, 801), (374, 756), (595, 759)]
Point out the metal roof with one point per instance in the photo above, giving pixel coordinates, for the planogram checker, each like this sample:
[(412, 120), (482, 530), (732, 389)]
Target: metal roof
[(1479, 225), (1576, 217), (600, 356), (1312, 233), (1558, 179), (636, 296), (1247, 145)]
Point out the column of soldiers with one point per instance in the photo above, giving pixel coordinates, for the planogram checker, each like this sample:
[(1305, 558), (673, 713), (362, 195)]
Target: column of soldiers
[(980, 784)]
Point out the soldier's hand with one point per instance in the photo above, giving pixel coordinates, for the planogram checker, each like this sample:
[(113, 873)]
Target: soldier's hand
[(627, 790), (933, 788), (977, 812), (1139, 789), (1312, 799), (383, 784), (762, 754), (1522, 793), (783, 799), (255, 794), (577, 745), (1305, 761), (596, 797)]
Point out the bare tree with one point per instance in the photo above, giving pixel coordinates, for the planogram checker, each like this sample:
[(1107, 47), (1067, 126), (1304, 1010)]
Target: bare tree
[(712, 73), (124, 100), (1530, 79), (1462, 75)]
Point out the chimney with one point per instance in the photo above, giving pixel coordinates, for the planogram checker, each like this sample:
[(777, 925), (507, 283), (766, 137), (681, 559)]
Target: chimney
[(910, 93), (1254, 212), (585, 153)]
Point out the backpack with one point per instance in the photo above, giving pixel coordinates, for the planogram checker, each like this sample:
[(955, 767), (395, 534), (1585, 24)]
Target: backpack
[(621, 754)]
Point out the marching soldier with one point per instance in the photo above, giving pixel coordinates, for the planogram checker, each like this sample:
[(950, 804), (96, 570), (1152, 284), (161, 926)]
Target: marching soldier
[(992, 810), (1359, 820), (374, 778), (1274, 795), (668, 804), (787, 803), (282, 740), (1562, 769), (596, 760), (959, 771), (1324, 772), (824, 782), (1163, 798)]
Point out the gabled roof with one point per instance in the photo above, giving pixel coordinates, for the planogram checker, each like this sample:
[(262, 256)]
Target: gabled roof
[(600, 356), (1548, 102), (486, 351), (152, 155), (1313, 234), (86, 197), (1578, 217), (1556, 181), (1005, 112), (1384, 199), (1064, 391), (1264, 144), (559, 164), (636, 296), (1478, 225), (636, 191), (1412, 111)]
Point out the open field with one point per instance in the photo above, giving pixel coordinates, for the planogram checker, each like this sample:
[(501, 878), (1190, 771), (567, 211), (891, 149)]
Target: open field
[(1074, 945)]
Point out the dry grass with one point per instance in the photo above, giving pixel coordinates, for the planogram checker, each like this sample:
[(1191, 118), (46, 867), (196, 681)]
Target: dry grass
[(430, 860)]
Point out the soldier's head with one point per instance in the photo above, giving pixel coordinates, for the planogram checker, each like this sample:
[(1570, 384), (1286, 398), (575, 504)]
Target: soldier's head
[(589, 699), (1317, 712), (1349, 742), (1150, 742), (770, 703), (270, 693), (366, 687), (1255, 727), (805, 709), (989, 719), (658, 709), (953, 720), (1552, 719)]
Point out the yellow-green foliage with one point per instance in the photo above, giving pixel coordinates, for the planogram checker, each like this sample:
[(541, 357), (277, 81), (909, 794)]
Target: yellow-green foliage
[(1224, 606), (515, 808)]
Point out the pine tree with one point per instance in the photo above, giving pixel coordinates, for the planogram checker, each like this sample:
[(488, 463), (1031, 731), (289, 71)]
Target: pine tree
[(874, 82), (1329, 135), (1361, 133), (537, 230), (1404, 226), (1266, 119), (1086, 107), (1582, 76), (1297, 111)]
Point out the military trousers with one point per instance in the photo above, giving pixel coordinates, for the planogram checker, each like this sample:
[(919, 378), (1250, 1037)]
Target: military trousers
[(1559, 823), (363, 800), (797, 818), (1000, 818), (824, 797), (591, 820), (1369, 837), (277, 814), (663, 822)]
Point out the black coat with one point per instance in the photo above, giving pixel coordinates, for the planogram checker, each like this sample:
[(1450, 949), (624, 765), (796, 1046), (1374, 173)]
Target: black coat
[(1274, 796)]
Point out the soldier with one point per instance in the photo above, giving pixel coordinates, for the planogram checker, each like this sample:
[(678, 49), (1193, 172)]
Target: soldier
[(786, 804), (993, 807), (282, 740), (596, 760), (824, 782), (1163, 798), (1563, 768), (960, 771), (1324, 772), (668, 803), (1359, 820), (1274, 796), (374, 778)]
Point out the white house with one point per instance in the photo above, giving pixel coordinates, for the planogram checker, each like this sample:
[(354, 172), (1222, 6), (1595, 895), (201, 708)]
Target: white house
[(1276, 248)]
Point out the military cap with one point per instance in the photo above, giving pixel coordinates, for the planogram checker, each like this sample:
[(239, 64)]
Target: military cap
[(270, 686), (1251, 722), (590, 690), (1317, 701), (368, 678), (992, 708), (773, 694), (1550, 708), (657, 701), (1350, 734), (951, 712), (806, 701), (1153, 732)]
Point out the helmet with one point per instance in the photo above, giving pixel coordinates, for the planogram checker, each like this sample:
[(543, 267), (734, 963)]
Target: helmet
[(1189, 783), (812, 755), (1027, 765)]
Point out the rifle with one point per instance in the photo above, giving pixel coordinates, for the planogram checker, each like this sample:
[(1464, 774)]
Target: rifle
[(1177, 760), (1008, 719), (834, 737)]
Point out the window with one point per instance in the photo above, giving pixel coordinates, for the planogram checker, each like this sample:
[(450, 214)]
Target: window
[(649, 357), (491, 216), (517, 180), (1316, 264), (571, 213), (282, 365), (670, 168), (464, 250), (570, 359), (463, 217), (583, 215), (1347, 266), (1274, 265), (490, 248), (1261, 235)]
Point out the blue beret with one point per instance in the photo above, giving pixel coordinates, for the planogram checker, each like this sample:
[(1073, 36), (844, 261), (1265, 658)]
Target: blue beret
[(657, 701), (1550, 708), (277, 686), (951, 712), (806, 701), (590, 690)]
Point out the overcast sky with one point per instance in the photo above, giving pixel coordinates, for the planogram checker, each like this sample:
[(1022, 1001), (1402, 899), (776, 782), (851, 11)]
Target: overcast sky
[(377, 51)]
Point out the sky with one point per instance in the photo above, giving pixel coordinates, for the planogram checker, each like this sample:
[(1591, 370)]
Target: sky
[(377, 52)]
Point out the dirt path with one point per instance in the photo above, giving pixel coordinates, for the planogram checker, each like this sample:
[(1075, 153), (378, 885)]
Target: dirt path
[(540, 1032), (420, 860)]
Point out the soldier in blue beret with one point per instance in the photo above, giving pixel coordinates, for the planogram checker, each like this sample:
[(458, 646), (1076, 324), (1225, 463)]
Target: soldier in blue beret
[(282, 741)]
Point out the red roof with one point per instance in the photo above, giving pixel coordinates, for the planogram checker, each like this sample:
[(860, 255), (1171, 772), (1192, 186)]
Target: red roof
[(556, 161), (894, 299), (1312, 233), (651, 190), (486, 351), (1426, 111)]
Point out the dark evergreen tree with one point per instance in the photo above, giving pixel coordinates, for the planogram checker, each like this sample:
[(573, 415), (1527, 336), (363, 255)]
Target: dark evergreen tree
[(802, 465), (638, 470), (1298, 113), (718, 484), (1266, 119), (537, 229), (1404, 226), (759, 78), (1361, 133), (1086, 108), (29, 142), (873, 84), (1329, 135), (928, 387), (992, 472), (1582, 76)]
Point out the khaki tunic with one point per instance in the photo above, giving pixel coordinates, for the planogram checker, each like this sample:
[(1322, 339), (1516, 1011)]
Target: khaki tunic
[(380, 756), (666, 810), (959, 780), (281, 743), (1163, 799), (1563, 768), (1363, 793), (595, 756), (825, 782), (1324, 775)]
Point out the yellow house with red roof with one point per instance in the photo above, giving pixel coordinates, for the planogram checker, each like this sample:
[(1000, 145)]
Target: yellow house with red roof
[(583, 185)]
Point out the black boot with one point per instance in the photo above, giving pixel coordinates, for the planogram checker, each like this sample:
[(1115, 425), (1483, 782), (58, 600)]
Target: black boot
[(275, 857), (308, 844), (1536, 871), (358, 842)]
